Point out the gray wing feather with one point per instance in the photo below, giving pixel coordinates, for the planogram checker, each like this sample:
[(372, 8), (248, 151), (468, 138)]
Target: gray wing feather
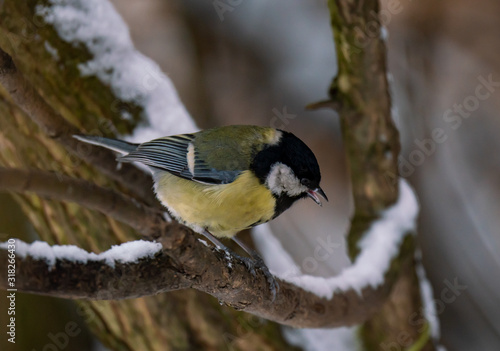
[(120, 146), (170, 154)]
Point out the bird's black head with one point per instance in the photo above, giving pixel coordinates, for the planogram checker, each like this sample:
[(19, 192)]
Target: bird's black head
[(290, 170)]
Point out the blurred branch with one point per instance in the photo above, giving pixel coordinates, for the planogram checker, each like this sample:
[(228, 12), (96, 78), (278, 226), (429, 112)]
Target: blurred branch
[(146, 220), (59, 129)]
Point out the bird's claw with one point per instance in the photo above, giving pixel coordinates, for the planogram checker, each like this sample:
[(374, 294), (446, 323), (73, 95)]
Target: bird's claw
[(274, 287), (256, 262), (250, 264)]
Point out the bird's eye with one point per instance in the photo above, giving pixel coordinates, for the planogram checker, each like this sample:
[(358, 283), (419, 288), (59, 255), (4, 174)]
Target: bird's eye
[(306, 182)]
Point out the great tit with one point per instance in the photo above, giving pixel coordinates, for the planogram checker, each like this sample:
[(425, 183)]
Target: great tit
[(223, 180)]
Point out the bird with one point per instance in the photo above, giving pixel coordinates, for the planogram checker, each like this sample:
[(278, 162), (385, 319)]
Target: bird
[(223, 180)]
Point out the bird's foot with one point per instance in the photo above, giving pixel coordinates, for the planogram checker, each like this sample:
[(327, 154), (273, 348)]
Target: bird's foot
[(256, 262)]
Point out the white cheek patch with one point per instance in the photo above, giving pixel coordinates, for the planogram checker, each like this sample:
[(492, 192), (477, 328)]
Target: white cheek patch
[(281, 179)]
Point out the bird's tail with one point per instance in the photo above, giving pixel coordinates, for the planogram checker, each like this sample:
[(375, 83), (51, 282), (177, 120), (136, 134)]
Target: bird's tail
[(120, 146)]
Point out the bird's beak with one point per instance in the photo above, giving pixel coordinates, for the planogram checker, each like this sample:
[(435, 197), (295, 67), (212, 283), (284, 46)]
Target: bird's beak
[(313, 194)]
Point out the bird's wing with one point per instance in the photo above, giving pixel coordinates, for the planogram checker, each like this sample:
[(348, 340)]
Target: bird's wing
[(178, 155)]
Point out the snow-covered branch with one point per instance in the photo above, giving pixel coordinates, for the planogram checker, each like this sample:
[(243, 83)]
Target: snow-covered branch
[(141, 269), (133, 77), (378, 247), (185, 262)]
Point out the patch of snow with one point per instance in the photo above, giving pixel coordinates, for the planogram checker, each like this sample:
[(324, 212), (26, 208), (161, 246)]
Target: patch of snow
[(384, 33), (167, 217), (129, 252), (204, 242), (339, 339), (430, 312), (132, 76), (68, 252), (278, 260), (229, 259)]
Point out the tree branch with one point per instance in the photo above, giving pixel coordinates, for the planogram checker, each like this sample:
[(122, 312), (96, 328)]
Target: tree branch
[(360, 92), (184, 262), (187, 263)]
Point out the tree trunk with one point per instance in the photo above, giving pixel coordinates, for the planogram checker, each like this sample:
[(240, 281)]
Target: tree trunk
[(360, 94)]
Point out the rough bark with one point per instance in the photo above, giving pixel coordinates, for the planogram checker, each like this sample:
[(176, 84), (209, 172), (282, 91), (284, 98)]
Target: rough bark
[(360, 94)]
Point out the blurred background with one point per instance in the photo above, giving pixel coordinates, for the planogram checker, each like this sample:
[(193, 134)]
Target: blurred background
[(261, 62)]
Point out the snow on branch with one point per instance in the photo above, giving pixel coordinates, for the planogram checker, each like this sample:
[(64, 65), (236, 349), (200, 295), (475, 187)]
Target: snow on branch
[(379, 246), (183, 262), (129, 252), (132, 76)]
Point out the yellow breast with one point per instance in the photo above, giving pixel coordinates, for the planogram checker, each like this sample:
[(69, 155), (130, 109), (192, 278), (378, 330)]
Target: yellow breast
[(223, 210)]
